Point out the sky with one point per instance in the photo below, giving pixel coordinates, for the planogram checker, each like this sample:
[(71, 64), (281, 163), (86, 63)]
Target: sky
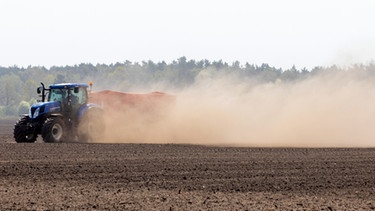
[(304, 33)]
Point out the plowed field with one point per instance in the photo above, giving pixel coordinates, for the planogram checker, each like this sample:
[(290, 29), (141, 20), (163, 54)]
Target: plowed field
[(70, 176)]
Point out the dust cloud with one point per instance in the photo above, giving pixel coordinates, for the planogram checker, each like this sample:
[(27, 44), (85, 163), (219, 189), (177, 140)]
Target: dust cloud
[(331, 109)]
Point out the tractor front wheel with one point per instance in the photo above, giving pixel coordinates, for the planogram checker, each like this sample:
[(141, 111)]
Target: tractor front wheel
[(54, 130), (22, 133)]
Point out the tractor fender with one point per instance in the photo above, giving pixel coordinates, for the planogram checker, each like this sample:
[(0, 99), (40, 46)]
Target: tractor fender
[(84, 108)]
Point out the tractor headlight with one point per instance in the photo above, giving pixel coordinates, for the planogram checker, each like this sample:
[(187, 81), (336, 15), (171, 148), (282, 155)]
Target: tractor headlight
[(36, 112)]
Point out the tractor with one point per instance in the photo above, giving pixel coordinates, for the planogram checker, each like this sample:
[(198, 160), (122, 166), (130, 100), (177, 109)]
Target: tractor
[(62, 115)]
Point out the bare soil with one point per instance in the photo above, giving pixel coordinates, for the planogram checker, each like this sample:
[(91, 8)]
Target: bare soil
[(71, 176)]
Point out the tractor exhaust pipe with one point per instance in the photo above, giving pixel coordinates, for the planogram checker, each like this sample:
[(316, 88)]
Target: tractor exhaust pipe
[(42, 91)]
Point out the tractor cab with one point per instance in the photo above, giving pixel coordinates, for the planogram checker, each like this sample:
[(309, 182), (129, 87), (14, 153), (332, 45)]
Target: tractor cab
[(70, 96), (64, 98)]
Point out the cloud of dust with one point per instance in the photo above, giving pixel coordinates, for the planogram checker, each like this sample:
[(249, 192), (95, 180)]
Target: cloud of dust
[(330, 109)]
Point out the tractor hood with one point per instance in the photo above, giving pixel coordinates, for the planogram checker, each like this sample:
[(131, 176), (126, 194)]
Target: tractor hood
[(41, 108)]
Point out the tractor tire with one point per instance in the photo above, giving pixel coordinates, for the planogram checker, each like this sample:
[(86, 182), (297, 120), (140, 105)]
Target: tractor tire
[(21, 132), (91, 127), (54, 130)]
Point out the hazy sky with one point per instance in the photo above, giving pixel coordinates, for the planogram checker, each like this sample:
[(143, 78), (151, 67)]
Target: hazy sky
[(281, 33)]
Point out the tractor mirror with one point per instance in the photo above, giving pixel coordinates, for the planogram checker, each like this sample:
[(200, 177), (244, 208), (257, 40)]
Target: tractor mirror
[(39, 90), (76, 89)]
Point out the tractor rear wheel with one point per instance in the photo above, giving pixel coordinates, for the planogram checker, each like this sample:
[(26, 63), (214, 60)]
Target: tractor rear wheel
[(22, 133), (54, 130)]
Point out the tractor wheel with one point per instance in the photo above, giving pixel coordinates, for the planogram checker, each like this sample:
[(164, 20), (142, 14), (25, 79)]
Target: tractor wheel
[(91, 126), (21, 132), (54, 130)]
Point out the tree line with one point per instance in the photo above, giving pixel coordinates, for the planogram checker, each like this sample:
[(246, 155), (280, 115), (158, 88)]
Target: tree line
[(18, 84)]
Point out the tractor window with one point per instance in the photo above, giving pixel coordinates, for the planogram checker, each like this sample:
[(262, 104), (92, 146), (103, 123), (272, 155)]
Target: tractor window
[(57, 95), (80, 97)]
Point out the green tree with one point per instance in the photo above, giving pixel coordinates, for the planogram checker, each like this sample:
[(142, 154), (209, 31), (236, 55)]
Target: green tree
[(29, 89), (11, 89), (23, 107)]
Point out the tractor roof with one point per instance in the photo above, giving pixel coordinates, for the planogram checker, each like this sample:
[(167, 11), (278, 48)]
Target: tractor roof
[(67, 85)]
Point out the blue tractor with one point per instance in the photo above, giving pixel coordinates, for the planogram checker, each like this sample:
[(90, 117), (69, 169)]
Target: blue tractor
[(62, 115)]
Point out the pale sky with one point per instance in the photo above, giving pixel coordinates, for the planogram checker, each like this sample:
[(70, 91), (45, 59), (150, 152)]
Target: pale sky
[(281, 33)]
